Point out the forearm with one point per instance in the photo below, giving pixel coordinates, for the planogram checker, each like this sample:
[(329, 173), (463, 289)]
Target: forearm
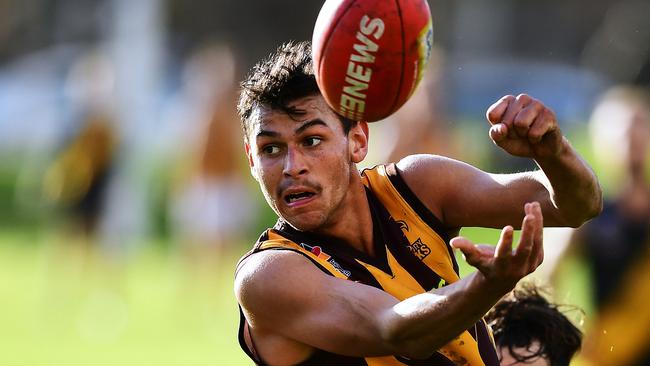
[(573, 187), (422, 324)]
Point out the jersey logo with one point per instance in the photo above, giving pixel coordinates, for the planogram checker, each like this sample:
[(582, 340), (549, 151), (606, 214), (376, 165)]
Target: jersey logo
[(402, 224), (419, 249), (318, 252)]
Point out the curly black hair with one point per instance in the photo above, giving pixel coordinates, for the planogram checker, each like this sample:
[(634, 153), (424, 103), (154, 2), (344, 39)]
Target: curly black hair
[(284, 76), (525, 316)]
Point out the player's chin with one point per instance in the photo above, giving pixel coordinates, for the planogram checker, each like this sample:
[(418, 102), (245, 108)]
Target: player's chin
[(305, 221)]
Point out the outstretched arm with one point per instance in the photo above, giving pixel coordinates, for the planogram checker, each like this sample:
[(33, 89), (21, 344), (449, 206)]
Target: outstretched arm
[(310, 310), (523, 126), (566, 187)]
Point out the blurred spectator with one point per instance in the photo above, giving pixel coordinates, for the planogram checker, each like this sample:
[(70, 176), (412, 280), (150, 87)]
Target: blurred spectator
[(616, 244), (76, 180), (528, 330), (210, 204)]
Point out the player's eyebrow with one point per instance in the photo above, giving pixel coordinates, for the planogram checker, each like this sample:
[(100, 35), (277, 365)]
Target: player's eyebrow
[(306, 125), (300, 129), (267, 133)]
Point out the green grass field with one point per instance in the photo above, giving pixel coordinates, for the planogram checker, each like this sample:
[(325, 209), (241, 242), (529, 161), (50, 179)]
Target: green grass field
[(63, 307)]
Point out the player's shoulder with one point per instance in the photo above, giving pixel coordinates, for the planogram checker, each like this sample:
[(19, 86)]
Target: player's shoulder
[(427, 169), (263, 275), (418, 163)]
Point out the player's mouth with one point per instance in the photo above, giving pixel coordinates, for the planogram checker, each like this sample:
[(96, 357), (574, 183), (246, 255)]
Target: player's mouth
[(295, 197)]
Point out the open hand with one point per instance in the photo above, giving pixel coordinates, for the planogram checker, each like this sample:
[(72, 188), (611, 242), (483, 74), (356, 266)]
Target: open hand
[(524, 126), (502, 264)]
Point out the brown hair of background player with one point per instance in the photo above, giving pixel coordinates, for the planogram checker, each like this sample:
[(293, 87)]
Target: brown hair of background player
[(525, 317)]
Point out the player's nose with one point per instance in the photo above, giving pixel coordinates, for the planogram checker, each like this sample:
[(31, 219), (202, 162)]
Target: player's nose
[(294, 163)]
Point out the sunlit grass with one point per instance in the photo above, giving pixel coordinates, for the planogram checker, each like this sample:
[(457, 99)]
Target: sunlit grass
[(64, 306)]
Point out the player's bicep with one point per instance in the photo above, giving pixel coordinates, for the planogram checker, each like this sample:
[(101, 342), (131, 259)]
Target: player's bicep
[(462, 195), (284, 293)]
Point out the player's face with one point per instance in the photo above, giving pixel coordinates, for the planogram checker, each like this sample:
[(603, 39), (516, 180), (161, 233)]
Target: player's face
[(507, 359), (303, 162)]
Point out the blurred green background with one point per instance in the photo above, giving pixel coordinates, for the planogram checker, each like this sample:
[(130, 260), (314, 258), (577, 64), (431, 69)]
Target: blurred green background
[(125, 198)]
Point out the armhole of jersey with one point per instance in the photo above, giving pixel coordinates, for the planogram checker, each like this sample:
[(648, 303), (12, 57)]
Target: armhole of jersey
[(264, 237), (403, 189), (246, 340)]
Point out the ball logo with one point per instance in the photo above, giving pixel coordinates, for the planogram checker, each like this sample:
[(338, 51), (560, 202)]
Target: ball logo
[(425, 48), (359, 71)]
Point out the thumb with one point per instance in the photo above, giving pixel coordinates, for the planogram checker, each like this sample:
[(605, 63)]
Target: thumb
[(498, 132), (469, 250)]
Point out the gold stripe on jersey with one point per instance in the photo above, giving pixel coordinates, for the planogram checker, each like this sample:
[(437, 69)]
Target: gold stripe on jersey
[(276, 241), (439, 259), (401, 284), (383, 361)]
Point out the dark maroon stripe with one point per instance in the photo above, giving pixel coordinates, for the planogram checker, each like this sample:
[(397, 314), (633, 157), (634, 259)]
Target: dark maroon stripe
[(485, 346), (425, 276), (425, 214), (324, 358), (437, 359), (264, 237), (242, 341), (398, 244)]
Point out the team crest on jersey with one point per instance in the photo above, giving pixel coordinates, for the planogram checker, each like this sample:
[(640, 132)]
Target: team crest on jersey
[(419, 249), (318, 252), (402, 225)]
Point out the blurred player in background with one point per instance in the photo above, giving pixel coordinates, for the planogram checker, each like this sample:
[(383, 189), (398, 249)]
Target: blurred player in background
[(76, 181), (359, 268), (616, 244), (528, 330), (210, 204)]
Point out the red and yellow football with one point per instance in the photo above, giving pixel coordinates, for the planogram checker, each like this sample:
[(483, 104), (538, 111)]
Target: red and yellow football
[(369, 55)]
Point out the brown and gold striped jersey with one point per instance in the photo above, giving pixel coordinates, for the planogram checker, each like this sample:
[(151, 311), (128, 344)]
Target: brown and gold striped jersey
[(413, 256)]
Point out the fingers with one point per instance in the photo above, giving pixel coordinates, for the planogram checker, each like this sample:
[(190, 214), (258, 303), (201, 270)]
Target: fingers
[(475, 255), (514, 108), (527, 233), (525, 118), (466, 246), (530, 249), (498, 132), (543, 123), (538, 240), (522, 117), (495, 113), (504, 246)]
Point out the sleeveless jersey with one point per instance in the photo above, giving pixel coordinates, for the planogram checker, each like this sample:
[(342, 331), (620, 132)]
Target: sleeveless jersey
[(413, 256)]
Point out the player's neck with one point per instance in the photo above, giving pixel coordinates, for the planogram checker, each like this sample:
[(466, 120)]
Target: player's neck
[(353, 223)]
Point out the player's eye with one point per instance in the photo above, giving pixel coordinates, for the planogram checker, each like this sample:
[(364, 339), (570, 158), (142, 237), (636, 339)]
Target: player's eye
[(313, 141), (270, 149)]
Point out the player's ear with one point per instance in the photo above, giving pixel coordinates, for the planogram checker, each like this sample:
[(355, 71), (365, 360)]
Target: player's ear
[(358, 141), (251, 164)]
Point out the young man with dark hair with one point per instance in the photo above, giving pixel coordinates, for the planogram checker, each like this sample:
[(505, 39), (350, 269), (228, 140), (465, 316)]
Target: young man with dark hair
[(359, 268), (528, 330)]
